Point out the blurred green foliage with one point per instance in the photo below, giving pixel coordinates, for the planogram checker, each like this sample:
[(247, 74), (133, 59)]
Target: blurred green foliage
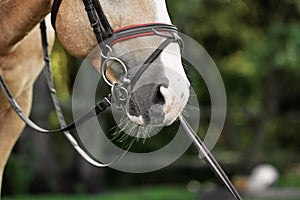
[(149, 193), (18, 176), (256, 45)]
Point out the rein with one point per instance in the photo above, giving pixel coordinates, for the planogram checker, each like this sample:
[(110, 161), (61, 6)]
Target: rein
[(95, 111), (107, 37)]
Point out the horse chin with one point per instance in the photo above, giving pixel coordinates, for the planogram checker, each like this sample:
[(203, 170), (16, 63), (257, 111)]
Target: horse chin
[(169, 118)]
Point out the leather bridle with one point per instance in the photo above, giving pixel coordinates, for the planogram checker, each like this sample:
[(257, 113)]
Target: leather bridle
[(107, 37)]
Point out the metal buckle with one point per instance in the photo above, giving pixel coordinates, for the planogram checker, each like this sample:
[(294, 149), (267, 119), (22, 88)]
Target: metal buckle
[(171, 35)]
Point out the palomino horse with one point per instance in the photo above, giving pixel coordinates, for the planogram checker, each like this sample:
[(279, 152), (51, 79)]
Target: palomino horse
[(21, 58)]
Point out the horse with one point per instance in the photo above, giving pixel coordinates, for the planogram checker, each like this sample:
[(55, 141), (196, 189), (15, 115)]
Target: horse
[(158, 103)]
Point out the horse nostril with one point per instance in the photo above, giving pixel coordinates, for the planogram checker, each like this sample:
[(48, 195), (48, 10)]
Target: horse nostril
[(147, 102), (158, 98)]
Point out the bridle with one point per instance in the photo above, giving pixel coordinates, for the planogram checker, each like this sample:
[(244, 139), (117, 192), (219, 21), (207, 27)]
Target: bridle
[(106, 38)]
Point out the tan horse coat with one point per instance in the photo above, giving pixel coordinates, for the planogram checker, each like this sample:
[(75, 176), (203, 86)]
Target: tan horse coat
[(21, 61)]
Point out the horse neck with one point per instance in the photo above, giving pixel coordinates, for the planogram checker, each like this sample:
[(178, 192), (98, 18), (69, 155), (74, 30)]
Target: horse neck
[(18, 18)]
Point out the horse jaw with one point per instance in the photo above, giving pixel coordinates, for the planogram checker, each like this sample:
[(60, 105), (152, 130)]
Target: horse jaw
[(73, 28)]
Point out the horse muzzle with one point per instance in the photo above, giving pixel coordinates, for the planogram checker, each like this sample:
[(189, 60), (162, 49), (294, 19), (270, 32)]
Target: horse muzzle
[(157, 99)]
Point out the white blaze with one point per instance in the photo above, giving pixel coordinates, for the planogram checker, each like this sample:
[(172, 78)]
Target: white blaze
[(177, 94), (162, 12)]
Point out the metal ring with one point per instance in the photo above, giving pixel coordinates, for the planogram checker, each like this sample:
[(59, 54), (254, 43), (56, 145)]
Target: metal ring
[(109, 50), (123, 93), (104, 67)]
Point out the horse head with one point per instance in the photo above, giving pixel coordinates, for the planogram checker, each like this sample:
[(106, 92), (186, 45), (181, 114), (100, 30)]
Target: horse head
[(161, 91)]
